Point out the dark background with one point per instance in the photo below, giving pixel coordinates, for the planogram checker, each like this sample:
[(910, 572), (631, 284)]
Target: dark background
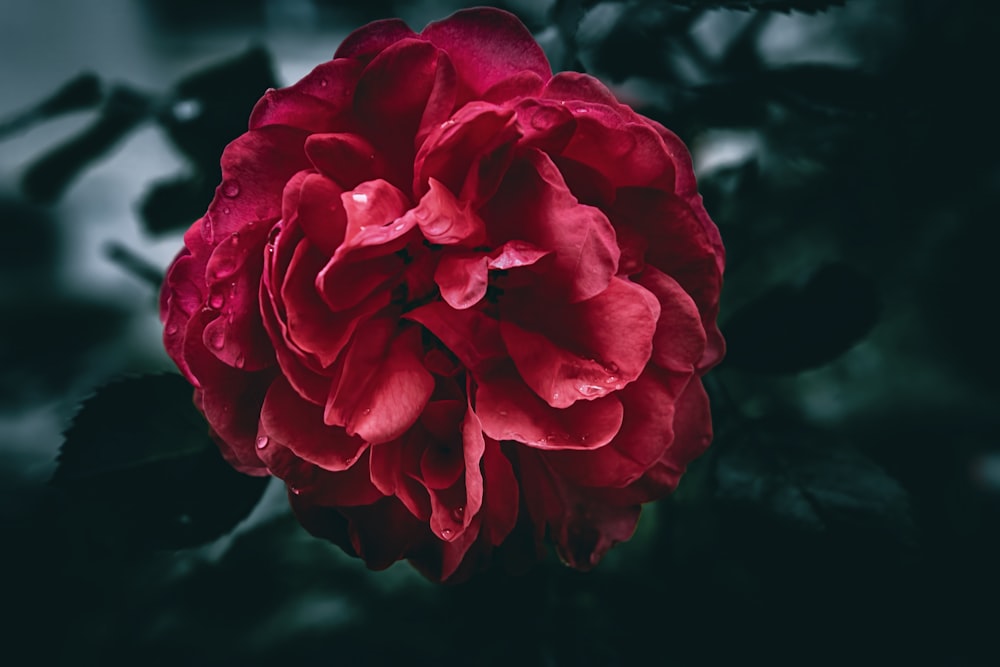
[(849, 509)]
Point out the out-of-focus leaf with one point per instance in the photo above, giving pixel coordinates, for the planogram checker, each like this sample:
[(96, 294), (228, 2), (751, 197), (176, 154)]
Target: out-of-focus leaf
[(176, 203), (46, 341), (81, 92), (801, 480), (140, 450), (790, 329), (31, 241), (46, 179), (807, 6)]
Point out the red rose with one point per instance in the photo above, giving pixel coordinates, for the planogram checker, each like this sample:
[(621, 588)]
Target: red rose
[(441, 292)]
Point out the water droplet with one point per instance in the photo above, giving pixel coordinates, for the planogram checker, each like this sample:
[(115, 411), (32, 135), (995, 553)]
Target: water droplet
[(208, 230), (217, 338), (580, 110), (610, 379), (448, 123), (232, 289), (544, 118), (217, 301), (457, 513), (294, 489), (234, 238), (611, 369), (262, 441), (399, 227), (360, 197), (589, 389), (556, 395), (226, 211), (171, 329), (503, 413), (366, 411), (241, 361), (323, 83), (446, 532), (230, 189)]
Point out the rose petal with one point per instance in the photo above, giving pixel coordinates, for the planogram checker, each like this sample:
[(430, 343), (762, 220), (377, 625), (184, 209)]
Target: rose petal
[(395, 471), (462, 279), (471, 335), (315, 103), (509, 410), (364, 43), (348, 159), (534, 205), (583, 350), (679, 342), (468, 153), (500, 495), (299, 426), (255, 168), (384, 385), (548, 126), (487, 46), (320, 213)]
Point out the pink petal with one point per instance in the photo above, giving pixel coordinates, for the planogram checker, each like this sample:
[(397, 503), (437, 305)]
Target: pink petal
[(487, 46), (514, 254), (462, 278), (297, 424), (509, 410), (533, 204)]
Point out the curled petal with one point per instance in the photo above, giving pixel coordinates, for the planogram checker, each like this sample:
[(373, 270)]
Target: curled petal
[(445, 220), (471, 335), (316, 103), (509, 410), (348, 159), (367, 41), (298, 424), (462, 278)]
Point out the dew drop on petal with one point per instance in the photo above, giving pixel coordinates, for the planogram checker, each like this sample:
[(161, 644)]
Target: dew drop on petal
[(323, 83), (241, 361), (589, 389), (230, 189), (503, 413), (262, 441), (610, 379), (217, 301), (360, 197), (171, 329), (217, 339), (366, 411), (446, 533), (208, 230), (226, 210)]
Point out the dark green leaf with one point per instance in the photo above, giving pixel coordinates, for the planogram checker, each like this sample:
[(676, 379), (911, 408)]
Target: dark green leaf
[(140, 450), (808, 6), (81, 92), (790, 329), (46, 179)]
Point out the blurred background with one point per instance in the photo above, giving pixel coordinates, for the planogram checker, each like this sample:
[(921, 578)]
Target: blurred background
[(849, 508)]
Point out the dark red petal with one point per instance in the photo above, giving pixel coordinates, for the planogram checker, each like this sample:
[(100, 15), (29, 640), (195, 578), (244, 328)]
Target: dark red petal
[(316, 103), (383, 532), (407, 68), (500, 496), (471, 335), (184, 293), (255, 168), (445, 220), (679, 343), (469, 152), (509, 410), (367, 41), (647, 431), (382, 389), (312, 326), (627, 152), (348, 159), (548, 126), (534, 204), (582, 527), (392, 468), (520, 84), (453, 510), (321, 214), (286, 418), (487, 46), (462, 278), (230, 399), (584, 350), (237, 336)]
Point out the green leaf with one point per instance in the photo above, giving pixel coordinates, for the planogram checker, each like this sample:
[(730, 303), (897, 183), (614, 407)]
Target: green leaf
[(140, 451), (807, 6)]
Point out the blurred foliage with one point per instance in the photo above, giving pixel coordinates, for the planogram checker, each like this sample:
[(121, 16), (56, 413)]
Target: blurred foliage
[(849, 508)]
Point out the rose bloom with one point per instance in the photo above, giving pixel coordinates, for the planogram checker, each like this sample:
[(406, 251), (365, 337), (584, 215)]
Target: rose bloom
[(450, 299)]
